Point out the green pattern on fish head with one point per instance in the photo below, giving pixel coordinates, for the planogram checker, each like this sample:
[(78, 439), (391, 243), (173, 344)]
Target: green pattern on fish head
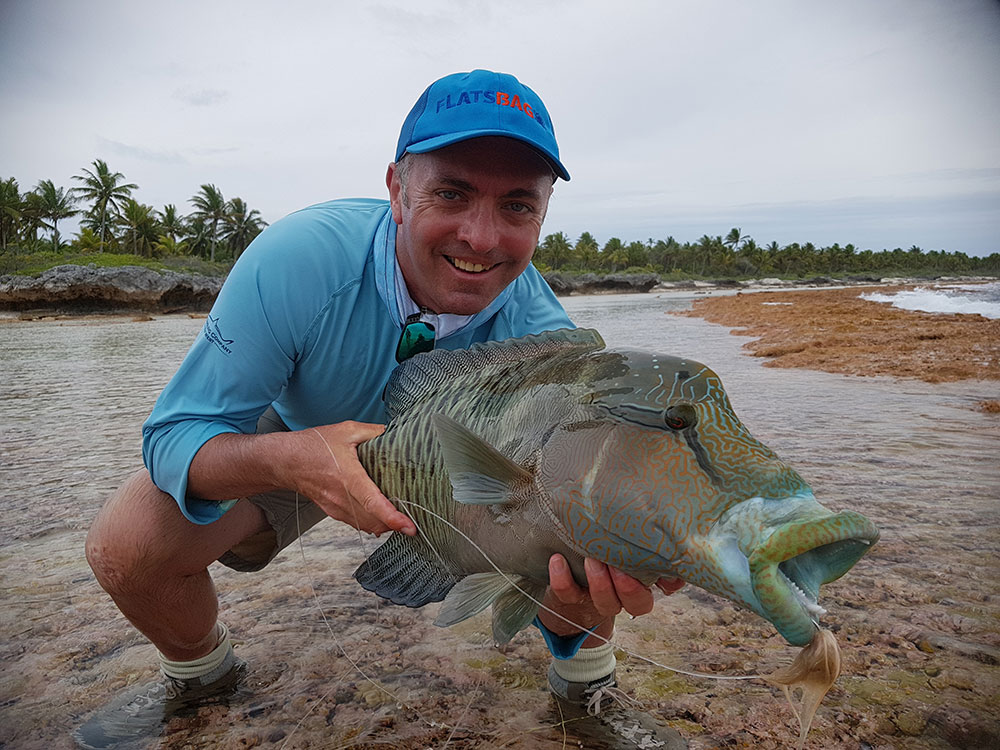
[(625, 485), (659, 477)]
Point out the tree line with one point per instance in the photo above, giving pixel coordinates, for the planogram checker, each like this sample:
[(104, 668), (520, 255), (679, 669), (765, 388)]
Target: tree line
[(113, 221), (738, 255), (217, 229)]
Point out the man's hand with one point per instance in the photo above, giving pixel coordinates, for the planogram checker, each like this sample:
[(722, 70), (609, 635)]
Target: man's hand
[(608, 592), (320, 463), (344, 490)]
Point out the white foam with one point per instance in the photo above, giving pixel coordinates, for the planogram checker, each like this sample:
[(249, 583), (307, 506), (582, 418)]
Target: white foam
[(967, 299)]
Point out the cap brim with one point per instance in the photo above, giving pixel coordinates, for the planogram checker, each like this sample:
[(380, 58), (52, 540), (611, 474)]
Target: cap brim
[(433, 144)]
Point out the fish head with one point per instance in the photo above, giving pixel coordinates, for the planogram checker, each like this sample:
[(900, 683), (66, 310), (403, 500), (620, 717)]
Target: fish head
[(657, 476)]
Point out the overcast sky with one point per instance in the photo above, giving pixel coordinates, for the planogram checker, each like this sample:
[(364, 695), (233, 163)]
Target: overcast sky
[(874, 122)]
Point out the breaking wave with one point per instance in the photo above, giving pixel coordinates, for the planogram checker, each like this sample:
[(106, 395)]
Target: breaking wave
[(968, 299)]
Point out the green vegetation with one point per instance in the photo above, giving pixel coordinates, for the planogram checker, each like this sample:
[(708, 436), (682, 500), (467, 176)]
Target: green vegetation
[(739, 256), (117, 230)]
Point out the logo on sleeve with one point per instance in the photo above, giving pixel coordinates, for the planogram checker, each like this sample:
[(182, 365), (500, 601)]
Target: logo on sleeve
[(214, 334)]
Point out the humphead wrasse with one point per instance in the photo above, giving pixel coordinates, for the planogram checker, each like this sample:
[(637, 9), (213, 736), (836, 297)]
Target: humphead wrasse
[(553, 443)]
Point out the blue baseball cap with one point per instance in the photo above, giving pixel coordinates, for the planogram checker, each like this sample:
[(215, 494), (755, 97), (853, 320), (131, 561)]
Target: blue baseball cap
[(461, 106)]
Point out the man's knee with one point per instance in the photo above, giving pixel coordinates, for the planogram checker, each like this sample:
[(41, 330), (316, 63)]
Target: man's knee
[(140, 537), (120, 548), (136, 536)]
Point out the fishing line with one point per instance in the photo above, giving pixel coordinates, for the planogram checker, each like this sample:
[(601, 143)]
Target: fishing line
[(400, 702), (556, 614), (354, 664)]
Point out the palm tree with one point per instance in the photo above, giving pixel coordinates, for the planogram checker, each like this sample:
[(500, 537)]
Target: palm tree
[(171, 222), (167, 245), (211, 209), (636, 254), (709, 248), (613, 254), (86, 241), (31, 216), (196, 235), (735, 238), (586, 252), (241, 226), (143, 228), (105, 189), (556, 249), (56, 204), (10, 211)]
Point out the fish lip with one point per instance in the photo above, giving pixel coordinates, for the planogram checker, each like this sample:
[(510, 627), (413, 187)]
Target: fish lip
[(668, 585), (787, 569)]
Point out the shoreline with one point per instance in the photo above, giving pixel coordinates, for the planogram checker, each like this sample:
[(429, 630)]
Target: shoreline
[(835, 330), (819, 324), (128, 290)]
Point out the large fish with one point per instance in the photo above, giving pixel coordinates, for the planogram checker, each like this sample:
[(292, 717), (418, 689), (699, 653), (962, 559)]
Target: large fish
[(553, 443)]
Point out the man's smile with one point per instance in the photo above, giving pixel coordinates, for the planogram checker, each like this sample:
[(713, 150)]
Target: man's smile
[(464, 265)]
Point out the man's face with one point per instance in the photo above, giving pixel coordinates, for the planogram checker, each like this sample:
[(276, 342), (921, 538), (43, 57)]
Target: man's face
[(469, 222)]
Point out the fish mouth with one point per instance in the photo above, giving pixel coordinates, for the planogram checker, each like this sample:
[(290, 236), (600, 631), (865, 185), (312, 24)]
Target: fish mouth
[(787, 570), (468, 266)]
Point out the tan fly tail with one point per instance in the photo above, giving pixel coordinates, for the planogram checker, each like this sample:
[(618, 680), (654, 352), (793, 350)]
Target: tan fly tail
[(814, 671)]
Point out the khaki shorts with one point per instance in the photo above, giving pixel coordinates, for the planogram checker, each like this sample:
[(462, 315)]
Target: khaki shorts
[(288, 514)]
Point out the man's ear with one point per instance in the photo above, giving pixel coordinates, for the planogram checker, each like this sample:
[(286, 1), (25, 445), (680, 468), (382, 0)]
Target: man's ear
[(395, 193)]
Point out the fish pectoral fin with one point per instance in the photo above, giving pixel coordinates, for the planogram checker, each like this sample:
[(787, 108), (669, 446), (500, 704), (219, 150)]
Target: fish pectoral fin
[(479, 473), (515, 608), (514, 600), (405, 570), (470, 596)]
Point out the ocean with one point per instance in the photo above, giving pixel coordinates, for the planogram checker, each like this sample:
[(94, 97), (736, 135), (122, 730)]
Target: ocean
[(964, 299), (332, 666)]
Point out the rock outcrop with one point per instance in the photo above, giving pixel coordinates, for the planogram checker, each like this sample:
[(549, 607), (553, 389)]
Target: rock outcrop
[(589, 283), (93, 289)]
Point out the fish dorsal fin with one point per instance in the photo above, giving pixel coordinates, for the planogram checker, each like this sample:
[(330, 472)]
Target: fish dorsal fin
[(405, 570), (478, 472), (421, 375)]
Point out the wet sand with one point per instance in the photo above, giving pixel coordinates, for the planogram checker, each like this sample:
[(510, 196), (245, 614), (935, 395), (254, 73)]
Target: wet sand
[(834, 330), (331, 666)]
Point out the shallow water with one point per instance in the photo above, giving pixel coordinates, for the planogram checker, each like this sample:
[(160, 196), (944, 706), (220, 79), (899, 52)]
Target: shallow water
[(918, 619)]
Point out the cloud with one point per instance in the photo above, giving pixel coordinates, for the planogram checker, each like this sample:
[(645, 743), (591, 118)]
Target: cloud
[(140, 153), (201, 97)]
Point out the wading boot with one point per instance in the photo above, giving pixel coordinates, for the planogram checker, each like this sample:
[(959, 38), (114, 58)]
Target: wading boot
[(602, 717), (138, 716)]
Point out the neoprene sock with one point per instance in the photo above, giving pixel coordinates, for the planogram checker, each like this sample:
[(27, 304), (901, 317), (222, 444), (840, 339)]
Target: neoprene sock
[(587, 665), (208, 668)]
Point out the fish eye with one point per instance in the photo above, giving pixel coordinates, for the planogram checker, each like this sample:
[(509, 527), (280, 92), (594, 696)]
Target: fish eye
[(680, 417)]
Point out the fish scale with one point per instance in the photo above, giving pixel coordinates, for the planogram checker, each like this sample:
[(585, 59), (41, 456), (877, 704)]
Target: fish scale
[(508, 452)]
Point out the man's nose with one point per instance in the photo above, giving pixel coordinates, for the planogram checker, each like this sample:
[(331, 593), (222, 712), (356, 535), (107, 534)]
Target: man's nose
[(479, 228)]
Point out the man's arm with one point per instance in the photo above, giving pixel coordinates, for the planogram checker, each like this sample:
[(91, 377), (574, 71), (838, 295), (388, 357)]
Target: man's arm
[(320, 463)]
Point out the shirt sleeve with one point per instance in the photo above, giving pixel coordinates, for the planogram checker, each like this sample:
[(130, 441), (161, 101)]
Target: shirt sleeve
[(239, 363)]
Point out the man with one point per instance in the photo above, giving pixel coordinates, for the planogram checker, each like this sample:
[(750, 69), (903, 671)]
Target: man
[(285, 382)]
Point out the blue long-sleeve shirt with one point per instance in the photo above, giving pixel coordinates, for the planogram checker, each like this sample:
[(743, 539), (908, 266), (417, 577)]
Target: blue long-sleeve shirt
[(308, 322)]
